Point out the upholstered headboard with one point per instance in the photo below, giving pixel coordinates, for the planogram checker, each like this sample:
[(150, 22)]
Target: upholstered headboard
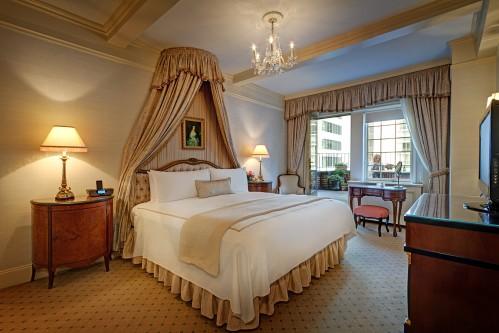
[(142, 192)]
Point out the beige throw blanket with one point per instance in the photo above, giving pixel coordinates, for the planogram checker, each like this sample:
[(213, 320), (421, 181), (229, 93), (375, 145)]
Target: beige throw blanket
[(201, 235)]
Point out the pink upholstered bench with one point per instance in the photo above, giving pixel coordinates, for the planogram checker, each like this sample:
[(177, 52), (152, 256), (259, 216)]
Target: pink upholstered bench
[(371, 213)]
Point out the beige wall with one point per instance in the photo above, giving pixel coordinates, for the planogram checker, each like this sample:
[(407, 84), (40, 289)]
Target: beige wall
[(42, 84), (472, 82)]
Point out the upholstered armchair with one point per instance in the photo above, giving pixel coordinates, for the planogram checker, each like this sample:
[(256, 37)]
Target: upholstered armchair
[(289, 184)]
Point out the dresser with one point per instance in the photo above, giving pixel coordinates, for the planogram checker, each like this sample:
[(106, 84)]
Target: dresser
[(70, 233), (453, 257), (262, 186)]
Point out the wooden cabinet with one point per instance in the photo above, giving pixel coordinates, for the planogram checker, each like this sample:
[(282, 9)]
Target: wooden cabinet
[(453, 257), (71, 233), (260, 187)]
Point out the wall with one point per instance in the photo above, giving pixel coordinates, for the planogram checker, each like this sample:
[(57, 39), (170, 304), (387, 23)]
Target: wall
[(472, 82), (43, 84), (253, 124)]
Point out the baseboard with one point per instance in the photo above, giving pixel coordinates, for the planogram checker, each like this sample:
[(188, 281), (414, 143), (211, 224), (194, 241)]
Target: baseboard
[(16, 275), (21, 274)]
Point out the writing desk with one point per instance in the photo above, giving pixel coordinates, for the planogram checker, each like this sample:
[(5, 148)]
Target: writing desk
[(396, 195)]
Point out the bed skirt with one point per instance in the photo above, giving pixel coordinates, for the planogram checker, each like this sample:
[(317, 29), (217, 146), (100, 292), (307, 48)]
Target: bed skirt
[(212, 306)]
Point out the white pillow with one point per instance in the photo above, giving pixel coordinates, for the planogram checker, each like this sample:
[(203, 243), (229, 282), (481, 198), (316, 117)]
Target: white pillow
[(238, 178), (171, 186)]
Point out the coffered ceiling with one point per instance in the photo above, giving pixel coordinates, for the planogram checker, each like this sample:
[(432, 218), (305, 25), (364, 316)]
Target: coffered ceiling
[(337, 41)]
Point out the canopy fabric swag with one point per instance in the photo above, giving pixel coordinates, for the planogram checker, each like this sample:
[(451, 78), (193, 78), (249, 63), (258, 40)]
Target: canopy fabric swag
[(429, 94), (178, 77)]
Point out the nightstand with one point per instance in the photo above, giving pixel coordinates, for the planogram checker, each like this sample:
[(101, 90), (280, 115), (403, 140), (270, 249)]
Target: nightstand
[(260, 186), (73, 233)]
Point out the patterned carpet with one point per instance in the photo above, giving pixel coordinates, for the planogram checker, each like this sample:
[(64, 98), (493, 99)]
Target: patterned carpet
[(366, 293)]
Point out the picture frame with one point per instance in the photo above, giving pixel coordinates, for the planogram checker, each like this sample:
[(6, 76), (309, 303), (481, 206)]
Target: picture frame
[(193, 133)]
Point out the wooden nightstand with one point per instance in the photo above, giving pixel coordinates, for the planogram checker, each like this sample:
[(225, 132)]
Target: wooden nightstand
[(70, 233), (260, 186)]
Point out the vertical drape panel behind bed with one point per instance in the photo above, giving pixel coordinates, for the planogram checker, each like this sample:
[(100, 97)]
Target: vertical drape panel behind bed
[(178, 77)]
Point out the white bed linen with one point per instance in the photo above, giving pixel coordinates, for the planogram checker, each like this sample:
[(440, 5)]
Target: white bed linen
[(252, 258)]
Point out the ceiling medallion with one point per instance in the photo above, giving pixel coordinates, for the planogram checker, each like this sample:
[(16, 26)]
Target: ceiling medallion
[(273, 61)]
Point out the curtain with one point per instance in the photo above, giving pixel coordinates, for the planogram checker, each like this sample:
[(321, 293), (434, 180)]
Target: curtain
[(297, 138), (428, 122), (429, 92), (177, 78)]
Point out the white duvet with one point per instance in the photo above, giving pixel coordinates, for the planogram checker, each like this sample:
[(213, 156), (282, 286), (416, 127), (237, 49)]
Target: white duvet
[(251, 258)]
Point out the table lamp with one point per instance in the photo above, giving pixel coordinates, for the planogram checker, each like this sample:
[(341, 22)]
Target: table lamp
[(260, 151), (64, 139)]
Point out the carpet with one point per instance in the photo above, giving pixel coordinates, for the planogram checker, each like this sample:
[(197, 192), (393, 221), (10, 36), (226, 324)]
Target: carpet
[(365, 293)]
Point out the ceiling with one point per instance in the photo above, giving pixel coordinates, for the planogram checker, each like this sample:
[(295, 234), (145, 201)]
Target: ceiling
[(337, 40), (422, 46), (229, 27), (97, 11)]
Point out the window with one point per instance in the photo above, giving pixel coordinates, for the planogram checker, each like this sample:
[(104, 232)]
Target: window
[(388, 142), (331, 144), (330, 161), (331, 127)]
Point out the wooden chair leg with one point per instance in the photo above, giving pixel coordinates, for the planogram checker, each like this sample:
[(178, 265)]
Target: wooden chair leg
[(386, 223), (363, 221), (380, 222), (355, 219)]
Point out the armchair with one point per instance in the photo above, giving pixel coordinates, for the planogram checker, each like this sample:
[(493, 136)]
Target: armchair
[(289, 184)]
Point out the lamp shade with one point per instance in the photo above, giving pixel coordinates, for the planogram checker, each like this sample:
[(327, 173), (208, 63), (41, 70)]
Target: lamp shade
[(261, 151), (63, 138)]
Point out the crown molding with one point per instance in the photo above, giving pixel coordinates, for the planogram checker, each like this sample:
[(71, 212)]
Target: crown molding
[(254, 94), (381, 30), (401, 71), (124, 11), (75, 46)]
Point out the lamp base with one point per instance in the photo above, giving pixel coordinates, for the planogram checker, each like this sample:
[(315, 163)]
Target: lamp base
[(64, 194)]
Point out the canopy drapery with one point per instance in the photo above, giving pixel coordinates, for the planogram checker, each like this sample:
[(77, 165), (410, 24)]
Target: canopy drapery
[(178, 77), (429, 91)]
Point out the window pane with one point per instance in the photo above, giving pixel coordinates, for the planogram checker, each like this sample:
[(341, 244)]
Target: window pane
[(388, 158), (388, 122), (402, 130), (374, 132), (404, 144), (388, 132), (374, 145), (388, 145), (405, 158)]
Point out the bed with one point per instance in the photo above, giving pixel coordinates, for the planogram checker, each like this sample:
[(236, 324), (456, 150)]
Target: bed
[(261, 258)]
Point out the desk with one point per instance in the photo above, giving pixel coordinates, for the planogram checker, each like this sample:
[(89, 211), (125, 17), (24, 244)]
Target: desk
[(394, 194)]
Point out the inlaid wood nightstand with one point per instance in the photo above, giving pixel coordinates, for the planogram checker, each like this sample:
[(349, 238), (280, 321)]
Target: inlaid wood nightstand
[(260, 186), (71, 233)]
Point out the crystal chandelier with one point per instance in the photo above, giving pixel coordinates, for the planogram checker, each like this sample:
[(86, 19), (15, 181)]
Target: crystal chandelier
[(273, 61)]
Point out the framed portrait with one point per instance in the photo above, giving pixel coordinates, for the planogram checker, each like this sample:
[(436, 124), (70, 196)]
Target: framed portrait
[(193, 133)]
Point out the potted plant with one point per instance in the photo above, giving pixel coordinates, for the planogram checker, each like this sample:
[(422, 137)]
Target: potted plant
[(335, 181)]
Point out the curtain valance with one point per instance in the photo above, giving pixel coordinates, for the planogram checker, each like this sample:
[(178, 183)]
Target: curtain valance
[(197, 62), (433, 82)]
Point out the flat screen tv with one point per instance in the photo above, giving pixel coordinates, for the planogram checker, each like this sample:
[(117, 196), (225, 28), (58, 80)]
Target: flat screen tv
[(489, 155)]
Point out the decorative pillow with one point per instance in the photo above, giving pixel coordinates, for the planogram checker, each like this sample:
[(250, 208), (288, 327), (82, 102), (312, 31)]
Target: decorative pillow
[(238, 178), (171, 186), (213, 188)]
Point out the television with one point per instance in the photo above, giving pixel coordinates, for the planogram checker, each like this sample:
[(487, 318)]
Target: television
[(488, 173)]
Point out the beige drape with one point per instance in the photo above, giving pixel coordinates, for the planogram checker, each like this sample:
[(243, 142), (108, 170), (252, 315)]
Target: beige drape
[(297, 138), (430, 83), (428, 122), (177, 78)]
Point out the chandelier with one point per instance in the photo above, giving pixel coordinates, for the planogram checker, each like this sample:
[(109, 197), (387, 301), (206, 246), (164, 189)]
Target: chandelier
[(273, 60)]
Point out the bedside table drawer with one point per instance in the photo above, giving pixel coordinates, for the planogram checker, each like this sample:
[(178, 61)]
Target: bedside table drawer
[(260, 187)]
